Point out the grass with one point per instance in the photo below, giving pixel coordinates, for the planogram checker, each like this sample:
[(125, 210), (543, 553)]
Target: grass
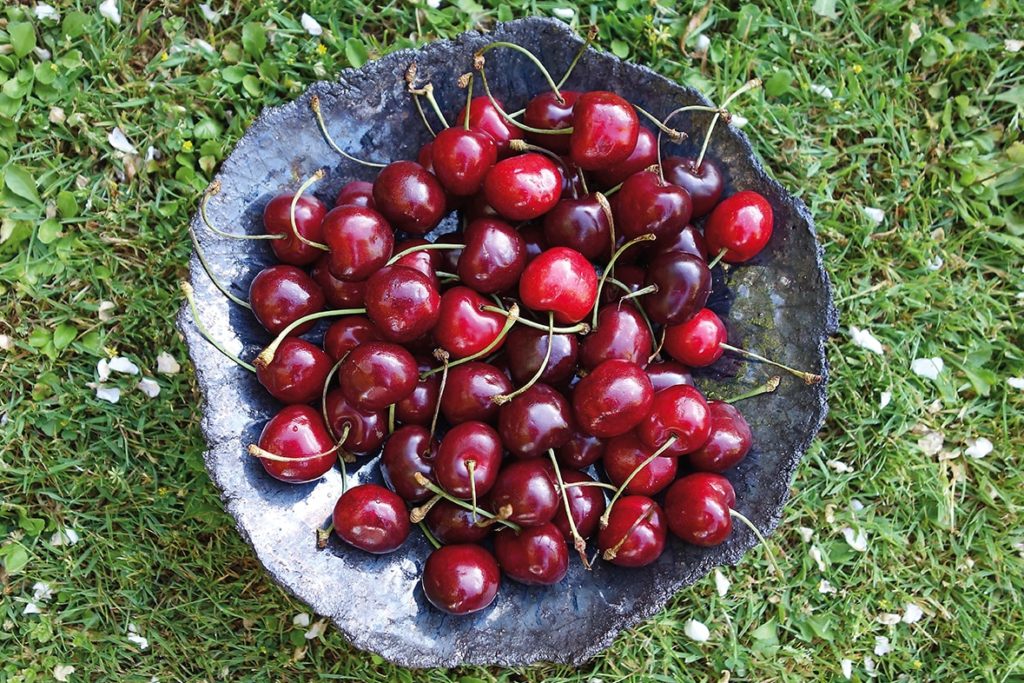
[(924, 123)]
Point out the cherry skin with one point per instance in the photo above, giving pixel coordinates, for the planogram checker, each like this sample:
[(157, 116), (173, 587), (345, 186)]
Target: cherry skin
[(377, 374), (280, 295), (605, 130), (586, 504), (544, 111), (523, 187), (462, 328), (418, 407), (579, 224), (697, 508), (339, 293), (526, 486), (612, 399), (625, 453), (631, 276), (681, 412), (451, 523), (360, 242), (371, 518), (620, 333), (402, 303), (366, 428), (534, 421), (460, 579), (560, 280), (581, 451), (668, 374), (684, 284), (636, 533), (741, 224), (409, 451), (469, 391), (526, 347), (647, 204), (533, 237), (474, 442), (297, 373), (704, 183), (643, 156), (461, 159), (729, 443), (689, 240), (309, 217), (356, 193), (494, 257), (297, 432), (347, 333), (483, 116), (698, 341), (426, 261), (535, 556), (409, 197)]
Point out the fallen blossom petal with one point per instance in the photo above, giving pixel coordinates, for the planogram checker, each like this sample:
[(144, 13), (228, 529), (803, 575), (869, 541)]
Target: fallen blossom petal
[(875, 214), (209, 14), (311, 25), (62, 671), (865, 340), (914, 32), (205, 47), (739, 121), (934, 263), (806, 533), (1011, 45), (45, 12), (978, 448), (301, 619), (42, 53), (1016, 382), (166, 364), (141, 641), (153, 154), (564, 13), (815, 554), (912, 613), (123, 365), (149, 387), (103, 369), (929, 368), (31, 608), (104, 309), (703, 45), (931, 443), (856, 506), (41, 591), (108, 8), (119, 141), (882, 646), (66, 536), (108, 394), (821, 90), (840, 466), (857, 540), (6, 343), (846, 666), (56, 115), (824, 587), (696, 631), (316, 630), (721, 583), (433, 4), (884, 399), (888, 619)]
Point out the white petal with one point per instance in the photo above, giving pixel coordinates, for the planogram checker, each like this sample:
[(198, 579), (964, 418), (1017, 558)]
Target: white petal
[(721, 583), (696, 631), (66, 537), (847, 667), (882, 646), (433, 4), (42, 53), (142, 642), (929, 368), (825, 587), (857, 540), (311, 25), (317, 630), (815, 554), (876, 215), (822, 90), (152, 153), (44, 11), (1013, 45), (109, 394), (205, 47), (914, 34), (839, 466), (301, 619), (978, 448), (119, 141), (149, 387), (123, 365), (103, 369), (931, 443), (166, 365), (1016, 382), (884, 399), (888, 618), (41, 591), (934, 263), (209, 14), (104, 310), (856, 505), (62, 671), (564, 13), (912, 614), (31, 608), (108, 8), (739, 121), (806, 534), (5, 342), (703, 44), (865, 340), (56, 115)]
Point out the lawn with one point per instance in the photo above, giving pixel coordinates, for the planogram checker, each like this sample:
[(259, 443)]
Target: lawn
[(901, 128)]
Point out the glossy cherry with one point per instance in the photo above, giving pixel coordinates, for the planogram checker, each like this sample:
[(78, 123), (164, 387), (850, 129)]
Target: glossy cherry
[(621, 333), (366, 429), (464, 443), (697, 508), (461, 578), (297, 432), (631, 276), (612, 399), (586, 504), (534, 421), (402, 303), (546, 112), (704, 183), (408, 451), (426, 261), (684, 284), (409, 197), (360, 242), (689, 240), (470, 390), (355, 193), (483, 116), (525, 348), (462, 328), (494, 257), (371, 518), (647, 204), (643, 156), (338, 293), (741, 224), (451, 523), (560, 280), (681, 412), (528, 489), (461, 159), (581, 450), (297, 373), (309, 217), (523, 187), (347, 333), (535, 556), (698, 341), (729, 443), (625, 453), (377, 374), (581, 224), (418, 407), (605, 130), (533, 237), (668, 374), (636, 532), (280, 295)]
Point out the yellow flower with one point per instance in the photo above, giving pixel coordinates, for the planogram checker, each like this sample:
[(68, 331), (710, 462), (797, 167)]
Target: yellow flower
[(321, 49), (857, 68), (163, 57), (186, 146)]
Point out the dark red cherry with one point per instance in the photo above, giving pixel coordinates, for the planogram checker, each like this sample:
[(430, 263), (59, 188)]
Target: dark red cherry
[(612, 399), (371, 518), (526, 347), (476, 208), (418, 407), (741, 224), (463, 329), (494, 257), (579, 224), (534, 421), (459, 579), (681, 412), (631, 276), (297, 373), (544, 111), (698, 341), (621, 333), (573, 182), (461, 159), (356, 193), (297, 433), (586, 504), (309, 218), (483, 116), (536, 556), (338, 292), (697, 508), (426, 261), (469, 391), (689, 240), (704, 183), (729, 443), (464, 443), (451, 523), (377, 374), (625, 453), (402, 303), (409, 451), (527, 487), (560, 280), (280, 295), (409, 196), (684, 284), (635, 535), (533, 237), (366, 428), (581, 450), (643, 156), (523, 187), (347, 333), (668, 374), (605, 130), (361, 242), (647, 204), (425, 157)]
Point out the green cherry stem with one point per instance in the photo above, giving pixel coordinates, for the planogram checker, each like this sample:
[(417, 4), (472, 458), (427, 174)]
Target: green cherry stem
[(619, 491), (430, 537), (201, 255), (749, 85), (649, 289), (427, 91), (422, 247), (323, 395), (262, 454), (508, 117), (671, 114), (807, 377), (591, 37), (578, 542), (267, 355), (649, 237), (418, 514), (443, 356), (478, 62), (578, 328), (768, 387), (186, 288), (434, 488), (760, 538), (213, 190), (599, 484), (502, 399), (466, 81), (513, 316), (672, 133), (314, 104), (410, 78), (612, 552), (320, 173), (719, 257)]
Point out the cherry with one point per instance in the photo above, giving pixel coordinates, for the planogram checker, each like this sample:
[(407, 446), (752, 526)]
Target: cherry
[(643, 156), (360, 240), (621, 333), (309, 217), (377, 374), (356, 193), (581, 451), (409, 450), (402, 303), (282, 294), (469, 442), (523, 187), (460, 579), (526, 487), (546, 112), (704, 183), (346, 334), (371, 518), (534, 421), (605, 130), (535, 556), (469, 392), (668, 374), (678, 412), (451, 523), (631, 276), (426, 261), (684, 284), (533, 238), (483, 116), (613, 398), (581, 224), (625, 453), (697, 507), (339, 293), (560, 280), (585, 502), (364, 430), (698, 341), (475, 208), (297, 373), (462, 328), (409, 196), (729, 443), (689, 240), (494, 257), (301, 444), (635, 534), (646, 203), (526, 348), (461, 159), (419, 406), (741, 225)]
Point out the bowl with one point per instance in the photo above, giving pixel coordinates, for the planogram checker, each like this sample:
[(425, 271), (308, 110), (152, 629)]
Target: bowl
[(779, 305)]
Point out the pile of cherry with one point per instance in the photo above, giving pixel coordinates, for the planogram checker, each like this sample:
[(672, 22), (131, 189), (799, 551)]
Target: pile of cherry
[(497, 364)]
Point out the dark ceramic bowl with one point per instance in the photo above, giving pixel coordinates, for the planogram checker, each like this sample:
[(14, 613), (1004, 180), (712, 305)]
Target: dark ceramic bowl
[(779, 305)]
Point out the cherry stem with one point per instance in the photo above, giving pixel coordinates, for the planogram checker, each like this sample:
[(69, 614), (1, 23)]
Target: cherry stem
[(323, 535), (672, 133), (478, 62), (578, 328), (599, 484), (422, 247), (391, 418), (430, 537), (428, 92), (807, 377), (578, 542), (214, 189), (186, 288), (418, 514), (749, 85), (606, 207), (649, 237), (442, 275), (262, 454), (410, 78), (610, 554), (314, 104), (209, 272), (636, 470), (508, 117), (760, 539), (661, 343), (443, 356), (469, 97), (267, 355), (768, 387), (323, 396), (721, 255), (591, 36), (502, 399), (680, 110), (612, 190), (434, 488), (320, 173), (471, 468), (649, 289), (513, 316)]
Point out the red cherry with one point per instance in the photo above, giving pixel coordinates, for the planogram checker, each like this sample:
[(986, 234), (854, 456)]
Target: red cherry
[(741, 224), (729, 443), (366, 428), (494, 257), (451, 523), (586, 504), (621, 333), (402, 303), (460, 579), (483, 116), (426, 261), (704, 183), (346, 334), (534, 421), (361, 242), (309, 217), (631, 276), (579, 224), (545, 112), (280, 295), (371, 518), (338, 292), (581, 451), (356, 193), (409, 451), (464, 443), (409, 197), (526, 347), (461, 159), (698, 341), (613, 398), (523, 187), (418, 407), (697, 507), (635, 535), (533, 237), (689, 240), (297, 432), (560, 280), (463, 329), (679, 412), (605, 130), (684, 284), (668, 374), (643, 156), (647, 204), (525, 486), (469, 391), (625, 453), (377, 374), (297, 373), (535, 556)]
